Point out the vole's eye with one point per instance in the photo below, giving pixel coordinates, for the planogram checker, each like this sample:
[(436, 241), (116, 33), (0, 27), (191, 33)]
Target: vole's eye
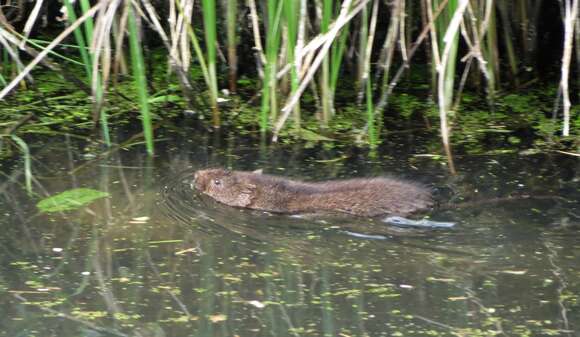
[(217, 182)]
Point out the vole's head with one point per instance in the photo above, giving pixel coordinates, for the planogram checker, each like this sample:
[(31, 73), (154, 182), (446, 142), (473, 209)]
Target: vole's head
[(224, 186)]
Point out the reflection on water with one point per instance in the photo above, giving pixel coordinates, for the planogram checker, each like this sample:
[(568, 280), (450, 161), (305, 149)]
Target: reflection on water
[(157, 259)]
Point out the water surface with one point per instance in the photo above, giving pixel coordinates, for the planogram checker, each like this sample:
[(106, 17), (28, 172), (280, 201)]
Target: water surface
[(155, 259)]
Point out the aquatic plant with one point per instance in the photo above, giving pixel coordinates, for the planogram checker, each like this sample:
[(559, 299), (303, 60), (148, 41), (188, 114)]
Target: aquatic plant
[(297, 45)]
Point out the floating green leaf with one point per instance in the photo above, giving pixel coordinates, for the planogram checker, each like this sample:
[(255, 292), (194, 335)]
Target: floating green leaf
[(70, 200)]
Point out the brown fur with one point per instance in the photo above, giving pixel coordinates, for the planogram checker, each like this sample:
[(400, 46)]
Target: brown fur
[(360, 197)]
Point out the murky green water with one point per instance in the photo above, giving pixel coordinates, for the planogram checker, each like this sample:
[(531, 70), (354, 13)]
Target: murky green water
[(154, 259)]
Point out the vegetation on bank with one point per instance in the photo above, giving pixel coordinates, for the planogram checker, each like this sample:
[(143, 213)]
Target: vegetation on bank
[(295, 68)]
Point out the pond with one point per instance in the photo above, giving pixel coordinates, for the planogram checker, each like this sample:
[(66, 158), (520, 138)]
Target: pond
[(155, 259)]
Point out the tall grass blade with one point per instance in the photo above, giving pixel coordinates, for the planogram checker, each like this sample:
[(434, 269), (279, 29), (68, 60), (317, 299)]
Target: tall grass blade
[(138, 66), (326, 96), (85, 6), (269, 87), (210, 25), (292, 11)]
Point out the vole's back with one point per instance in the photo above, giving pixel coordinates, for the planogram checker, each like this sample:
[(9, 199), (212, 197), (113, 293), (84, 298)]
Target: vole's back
[(361, 197)]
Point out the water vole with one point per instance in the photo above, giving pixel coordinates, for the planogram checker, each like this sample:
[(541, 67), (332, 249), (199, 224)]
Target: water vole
[(361, 197)]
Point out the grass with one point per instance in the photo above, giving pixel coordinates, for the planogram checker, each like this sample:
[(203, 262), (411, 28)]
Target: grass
[(301, 49)]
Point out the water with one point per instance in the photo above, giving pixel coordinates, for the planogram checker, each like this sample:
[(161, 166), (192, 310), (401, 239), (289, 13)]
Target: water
[(155, 259)]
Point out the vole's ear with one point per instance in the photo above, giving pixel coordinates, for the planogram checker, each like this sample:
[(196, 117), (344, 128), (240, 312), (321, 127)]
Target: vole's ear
[(247, 194), (259, 171)]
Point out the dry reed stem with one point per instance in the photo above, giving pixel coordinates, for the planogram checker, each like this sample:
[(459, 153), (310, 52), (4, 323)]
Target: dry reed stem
[(402, 41), (571, 15), (257, 38), (475, 45), (48, 49), (369, 48), (388, 50), (428, 28), (328, 38), (452, 31), (30, 22), (5, 39), (120, 64), (101, 44)]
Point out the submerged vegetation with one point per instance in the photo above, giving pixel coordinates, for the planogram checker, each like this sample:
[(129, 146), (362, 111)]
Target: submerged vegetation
[(303, 59)]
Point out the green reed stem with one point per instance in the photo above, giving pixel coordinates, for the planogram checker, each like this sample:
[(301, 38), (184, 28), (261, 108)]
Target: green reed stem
[(326, 96), (95, 82), (442, 23), (491, 55), (6, 64), (138, 66), (362, 47), (85, 6), (81, 42), (337, 53), (291, 12), (269, 87), (372, 131), (210, 26)]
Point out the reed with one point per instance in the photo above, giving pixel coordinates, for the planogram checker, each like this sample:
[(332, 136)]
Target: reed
[(269, 84), (39, 57), (5, 66), (325, 94), (27, 161), (337, 54), (570, 18), (138, 66), (292, 10), (232, 43), (80, 40), (366, 79), (210, 26), (577, 52), (362, 47), (479, 35), (508, 36), (446, 71), (490, 47), (300, 45), (317, 50)]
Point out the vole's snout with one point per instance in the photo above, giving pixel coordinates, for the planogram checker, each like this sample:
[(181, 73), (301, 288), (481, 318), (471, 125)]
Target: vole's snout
[(194, 183)]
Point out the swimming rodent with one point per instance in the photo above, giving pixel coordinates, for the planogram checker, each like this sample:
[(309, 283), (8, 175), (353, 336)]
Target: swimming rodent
[(367, 197)]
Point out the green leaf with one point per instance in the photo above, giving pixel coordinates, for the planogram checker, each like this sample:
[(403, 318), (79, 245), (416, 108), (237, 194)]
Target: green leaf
[(70, 200)]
